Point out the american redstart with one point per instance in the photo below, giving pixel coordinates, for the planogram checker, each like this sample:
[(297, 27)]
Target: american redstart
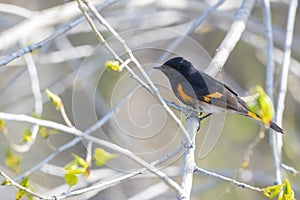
[(204, 93)]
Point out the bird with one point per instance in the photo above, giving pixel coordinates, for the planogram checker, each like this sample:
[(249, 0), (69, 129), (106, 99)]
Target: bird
[(204, 93)]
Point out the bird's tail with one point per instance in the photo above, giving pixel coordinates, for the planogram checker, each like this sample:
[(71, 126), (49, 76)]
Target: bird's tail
[(248, 113), (275, 127), (272, 125)]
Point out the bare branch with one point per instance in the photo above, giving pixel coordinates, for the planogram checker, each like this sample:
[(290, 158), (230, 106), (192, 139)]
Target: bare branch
[(99, 187), (290, 169), (78, 133), (37, 95), (237, 183), (269, 84), (62, 148), (232, 37), (189, 157), (266, 10), (284, 77), (12, 182), (106, 184)]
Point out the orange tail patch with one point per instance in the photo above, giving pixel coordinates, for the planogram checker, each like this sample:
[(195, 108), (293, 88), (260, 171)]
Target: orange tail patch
[(254, 116)]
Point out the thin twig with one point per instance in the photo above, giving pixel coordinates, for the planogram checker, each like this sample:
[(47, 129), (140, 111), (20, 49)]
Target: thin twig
[(266, 10), (38, 107), (224, 178), (290, 169), (59, 150), (89, 153), (276, 152), (99, 187), (20, 187), (284, 75), (233, 35), (16, 147), (65, 116), (40, 122), (106, 184), (168, 156), (36, 91)]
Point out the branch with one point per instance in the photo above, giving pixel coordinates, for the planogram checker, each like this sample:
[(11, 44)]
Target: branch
[(107, 184), (266, 10), (232, 37), (189, 156), (99, 187), (276, 152), (170, 182), (109, 145), (284, 75), (62, 148), (290, 169), (37, 95), (38, 107), (239, 184), (12, 182)]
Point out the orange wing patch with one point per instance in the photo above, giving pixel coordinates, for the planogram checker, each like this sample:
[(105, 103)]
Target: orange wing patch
[(215, 95), (185, 97), (207, 98)]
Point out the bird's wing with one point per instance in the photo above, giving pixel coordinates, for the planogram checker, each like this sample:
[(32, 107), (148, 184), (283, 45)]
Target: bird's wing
[(212, 91)]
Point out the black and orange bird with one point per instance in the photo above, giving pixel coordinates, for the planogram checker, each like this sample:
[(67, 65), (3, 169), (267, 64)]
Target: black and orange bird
[(204, 93)]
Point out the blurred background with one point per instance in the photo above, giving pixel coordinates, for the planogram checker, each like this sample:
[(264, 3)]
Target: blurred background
[(73, 66)]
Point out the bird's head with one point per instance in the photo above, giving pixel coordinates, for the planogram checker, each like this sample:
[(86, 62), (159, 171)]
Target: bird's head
[(178, 63)]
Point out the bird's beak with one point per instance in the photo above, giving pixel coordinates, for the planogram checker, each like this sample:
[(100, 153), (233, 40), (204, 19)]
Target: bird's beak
[(158, 68)]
